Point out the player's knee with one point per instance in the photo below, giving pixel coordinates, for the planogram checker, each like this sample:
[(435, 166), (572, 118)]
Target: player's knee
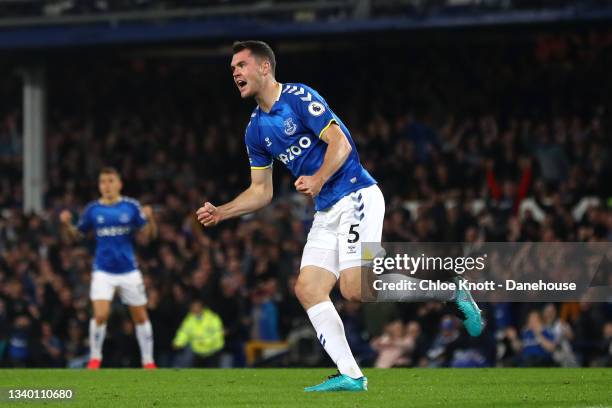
[(351, 292), (307, 292), (139, 314)]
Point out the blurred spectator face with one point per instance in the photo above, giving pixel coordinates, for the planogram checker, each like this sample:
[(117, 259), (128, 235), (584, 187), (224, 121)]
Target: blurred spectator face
[(46, 331), (14, 289), (413, 329), (509, 189), (548, 235), (396, 218), (534, 321), (153, 297), (109, 185), (395, 329), (249, 73), (22, 322), (471, 234), (196, 308), (549, 314), (178, 293), (229, 286), (200, 277), (65, 296), (447, 325), (442, 173), (233, 266), (607, 330), (74, 331)]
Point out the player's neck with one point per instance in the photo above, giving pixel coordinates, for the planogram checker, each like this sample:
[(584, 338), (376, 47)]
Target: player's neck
[(110, 200), (268, 96)]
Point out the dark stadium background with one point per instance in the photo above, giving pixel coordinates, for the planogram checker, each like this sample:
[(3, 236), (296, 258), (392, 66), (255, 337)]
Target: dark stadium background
[(489, 102)]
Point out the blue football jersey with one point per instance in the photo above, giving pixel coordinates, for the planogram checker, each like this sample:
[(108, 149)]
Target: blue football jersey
[(114, 226), (291, 133)]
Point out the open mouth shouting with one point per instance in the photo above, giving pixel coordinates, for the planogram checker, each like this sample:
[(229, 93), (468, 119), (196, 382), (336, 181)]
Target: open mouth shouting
[(241, 83)]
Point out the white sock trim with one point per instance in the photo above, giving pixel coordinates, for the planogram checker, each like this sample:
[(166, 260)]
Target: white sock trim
[(319, 308)]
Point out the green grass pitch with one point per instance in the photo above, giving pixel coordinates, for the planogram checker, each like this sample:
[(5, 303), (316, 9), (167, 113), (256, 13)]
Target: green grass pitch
[(283, 388)]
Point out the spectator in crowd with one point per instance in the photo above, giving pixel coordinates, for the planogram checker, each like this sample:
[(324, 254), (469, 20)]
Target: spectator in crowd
[(444, 344), (605, 359), (50, 349), (393, 346), (562, 337), (535, 344), (264, 312), (200, 336)]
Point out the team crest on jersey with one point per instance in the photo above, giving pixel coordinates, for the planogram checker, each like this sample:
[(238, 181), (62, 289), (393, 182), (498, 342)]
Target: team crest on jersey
[(100, 219), (316, 108), (124, 218), (290, 127)]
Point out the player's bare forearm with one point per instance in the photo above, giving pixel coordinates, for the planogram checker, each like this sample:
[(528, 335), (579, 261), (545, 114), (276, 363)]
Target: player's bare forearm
[(250, 200), (69, 231), (149, 231), (338, 150), (258, 195)]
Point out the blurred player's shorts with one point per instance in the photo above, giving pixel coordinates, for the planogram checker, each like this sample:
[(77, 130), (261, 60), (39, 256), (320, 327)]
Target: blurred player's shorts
[(129, 285)]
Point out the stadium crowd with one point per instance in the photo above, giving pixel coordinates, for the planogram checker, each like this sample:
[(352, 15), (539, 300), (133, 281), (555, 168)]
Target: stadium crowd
[(534, 166), (377, 8)]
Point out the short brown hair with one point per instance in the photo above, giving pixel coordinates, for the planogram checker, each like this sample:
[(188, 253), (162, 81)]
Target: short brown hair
[(258, 48), (109, 170)]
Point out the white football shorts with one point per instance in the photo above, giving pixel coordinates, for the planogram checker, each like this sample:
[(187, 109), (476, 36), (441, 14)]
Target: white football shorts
[(129, 285), (334, 240)]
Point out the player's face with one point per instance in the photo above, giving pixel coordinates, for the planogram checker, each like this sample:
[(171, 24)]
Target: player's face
[(110, 186), (247, 72)]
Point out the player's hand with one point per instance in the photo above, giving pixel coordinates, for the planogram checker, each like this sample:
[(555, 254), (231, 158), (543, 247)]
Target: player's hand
[(147, 210), (309, 185), (65, 217), (208, 215)]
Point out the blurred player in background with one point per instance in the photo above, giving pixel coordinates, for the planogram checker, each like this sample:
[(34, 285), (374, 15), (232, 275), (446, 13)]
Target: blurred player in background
[(294, 124), (115, 219)]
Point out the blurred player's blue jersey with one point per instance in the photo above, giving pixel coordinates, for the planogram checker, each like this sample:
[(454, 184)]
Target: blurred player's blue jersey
[(291, 134), (114, 226)]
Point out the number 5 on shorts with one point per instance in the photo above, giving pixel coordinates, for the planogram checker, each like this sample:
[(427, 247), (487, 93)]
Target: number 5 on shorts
[(354, 233)]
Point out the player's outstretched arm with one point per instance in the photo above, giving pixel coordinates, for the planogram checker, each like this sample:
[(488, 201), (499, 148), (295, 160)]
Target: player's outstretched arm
[(149, 231), (338, 150), (67, 228), (258, 195)]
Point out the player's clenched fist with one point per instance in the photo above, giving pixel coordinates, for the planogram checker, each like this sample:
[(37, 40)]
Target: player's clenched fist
[(147, 211), (65, 217), (309, 185), (208, 215)]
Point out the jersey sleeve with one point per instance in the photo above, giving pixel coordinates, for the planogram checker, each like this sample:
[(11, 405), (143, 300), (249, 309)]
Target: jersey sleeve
[(259, 158), (139, 218), (313, 110), (86, 221)]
